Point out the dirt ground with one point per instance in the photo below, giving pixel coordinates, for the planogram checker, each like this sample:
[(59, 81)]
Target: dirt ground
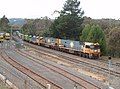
[(114, 60)]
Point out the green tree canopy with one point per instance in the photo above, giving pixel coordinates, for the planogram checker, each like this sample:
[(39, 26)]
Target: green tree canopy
[(68, 24), (4, 24), (85, 33)]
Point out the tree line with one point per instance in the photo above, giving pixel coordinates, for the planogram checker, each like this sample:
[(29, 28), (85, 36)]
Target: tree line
[(36, 26)]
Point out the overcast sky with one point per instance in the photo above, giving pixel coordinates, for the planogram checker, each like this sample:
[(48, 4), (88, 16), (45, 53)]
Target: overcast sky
[(39, 8)]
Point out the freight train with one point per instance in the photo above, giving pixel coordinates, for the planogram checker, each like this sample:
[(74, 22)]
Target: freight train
[(83, 49)]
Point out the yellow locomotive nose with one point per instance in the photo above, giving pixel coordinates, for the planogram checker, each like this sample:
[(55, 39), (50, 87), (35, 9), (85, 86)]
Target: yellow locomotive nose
[(1, 37), (7, 36)]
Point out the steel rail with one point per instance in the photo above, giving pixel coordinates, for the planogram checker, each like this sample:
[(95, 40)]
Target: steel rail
[(39, 79)]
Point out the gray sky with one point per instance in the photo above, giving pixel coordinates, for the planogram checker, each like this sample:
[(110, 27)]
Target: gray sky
[(39, 8)]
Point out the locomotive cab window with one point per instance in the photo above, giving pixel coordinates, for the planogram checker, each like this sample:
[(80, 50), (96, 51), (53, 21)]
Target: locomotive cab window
[(95, 47), (87, 46)]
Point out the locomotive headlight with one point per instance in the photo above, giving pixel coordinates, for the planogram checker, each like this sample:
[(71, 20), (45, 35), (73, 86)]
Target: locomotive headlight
[(48, 40), (95, 50), (98, 50), (71, 44)]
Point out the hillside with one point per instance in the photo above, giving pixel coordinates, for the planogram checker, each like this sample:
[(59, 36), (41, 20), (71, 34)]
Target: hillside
[(17, 21)]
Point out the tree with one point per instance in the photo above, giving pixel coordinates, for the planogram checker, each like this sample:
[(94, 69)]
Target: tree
[(114, 42), (25, 29), (68, 24), (85, 33), (4, 24)]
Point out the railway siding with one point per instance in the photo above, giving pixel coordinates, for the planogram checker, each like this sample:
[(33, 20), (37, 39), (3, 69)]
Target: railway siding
[(31, 74), (114, 70), (71, 74), (19, 79), (114, 76), (39, 69)]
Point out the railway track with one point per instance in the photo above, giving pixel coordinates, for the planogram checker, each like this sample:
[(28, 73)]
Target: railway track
[(39, 79), (79, 81), (87, 62), (16, 77), (76, 79), (62, 56)]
